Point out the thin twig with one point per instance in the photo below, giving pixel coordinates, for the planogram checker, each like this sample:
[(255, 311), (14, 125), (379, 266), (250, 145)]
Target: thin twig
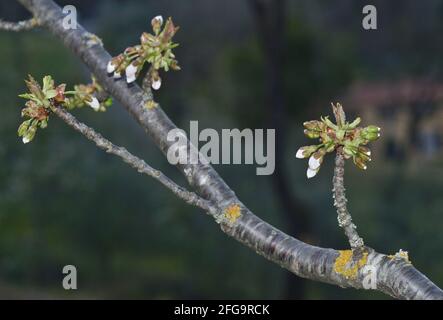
[(340, 202), (18, 26), (135, 162)]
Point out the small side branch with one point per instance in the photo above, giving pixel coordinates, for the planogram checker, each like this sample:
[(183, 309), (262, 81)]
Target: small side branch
[(340, 202), (18, 26), (135, 162)]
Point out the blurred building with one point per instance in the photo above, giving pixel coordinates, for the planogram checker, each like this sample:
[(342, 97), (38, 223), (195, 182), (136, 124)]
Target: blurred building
[(410, 113)]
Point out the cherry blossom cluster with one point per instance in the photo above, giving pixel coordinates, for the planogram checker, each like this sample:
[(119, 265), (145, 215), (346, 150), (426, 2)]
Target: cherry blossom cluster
[(154, 49), (41, 100), (345, 137)]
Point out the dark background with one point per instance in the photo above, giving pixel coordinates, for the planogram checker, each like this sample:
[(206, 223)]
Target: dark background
[(246, 64)]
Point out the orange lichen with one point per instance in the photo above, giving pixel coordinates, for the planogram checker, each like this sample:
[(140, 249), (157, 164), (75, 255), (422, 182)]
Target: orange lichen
[(346, 266), (232, 213)]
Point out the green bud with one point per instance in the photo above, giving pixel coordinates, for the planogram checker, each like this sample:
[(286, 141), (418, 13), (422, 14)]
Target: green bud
[(23, 127), (43, 124), (372, 129), (311, 134), (313, 125), (30, 134), (371, 136), (360, 163), (349, 151), (364, 150)]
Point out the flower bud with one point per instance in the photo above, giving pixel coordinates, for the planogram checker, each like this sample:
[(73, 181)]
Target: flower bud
[(372, 129), (364, 150), (311, 173), (371, 136), (114, 63), (360, 163), (316, 160), (312, 134), (156, 81), (30, 134), (313, 125), (131, 73), (157, 23), (93, 103), (23, 128), (305, 152)]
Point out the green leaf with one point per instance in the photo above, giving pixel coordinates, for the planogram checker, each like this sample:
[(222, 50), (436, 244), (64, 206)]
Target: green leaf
[(354, 123), (28, 96), (48, 84), (329, 123), (108, 102), (49, 94)]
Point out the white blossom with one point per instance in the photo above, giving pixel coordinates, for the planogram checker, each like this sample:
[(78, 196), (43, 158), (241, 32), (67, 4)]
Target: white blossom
[(26, 139), (299, 154), (160, 19), (94, 104), (314, 163), (156, 84), (117, 75), (110, 67), (311, 173), (131, 71)]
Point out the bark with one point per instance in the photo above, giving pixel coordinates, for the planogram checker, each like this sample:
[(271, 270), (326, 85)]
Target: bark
[(395, 276), (340, 202)]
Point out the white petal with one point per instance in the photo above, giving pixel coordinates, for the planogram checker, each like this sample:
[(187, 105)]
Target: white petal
[(94, 104), (314, 163), (156, 84), (25, 140), (130, 79), (131, 70), (117, 75), (299, 154), (160, 18), (311, 173), (110, 67)]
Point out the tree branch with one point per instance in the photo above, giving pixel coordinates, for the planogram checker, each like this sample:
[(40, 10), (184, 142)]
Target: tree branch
[(135, 162), (18, 26), (393, 276)]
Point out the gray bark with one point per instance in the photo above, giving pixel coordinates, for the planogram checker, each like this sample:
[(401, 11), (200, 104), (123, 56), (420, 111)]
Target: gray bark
[(395, 277), (340, 202)]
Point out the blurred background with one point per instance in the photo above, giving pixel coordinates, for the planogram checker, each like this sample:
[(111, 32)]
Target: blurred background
[(246, 64)]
